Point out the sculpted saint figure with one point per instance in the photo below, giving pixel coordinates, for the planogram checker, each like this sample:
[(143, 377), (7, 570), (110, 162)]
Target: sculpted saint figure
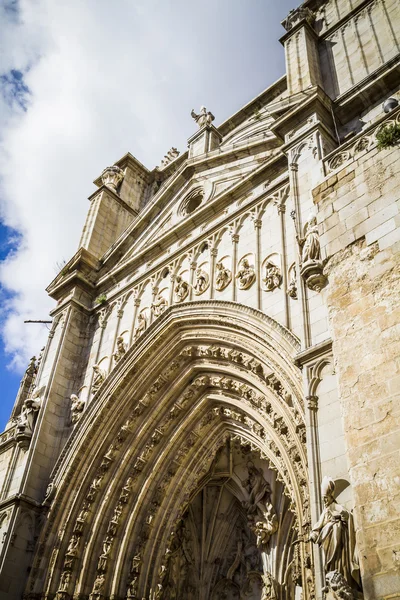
[(30, 408), (334, 532), (260, 512), (311, 249), (246, 274), (159, 305), (98, 585), (77, 406), (273, 277), (141, 325), (223, 276), (181, 289), (203, 118), (201, 282), (99, 377), (121, 349)]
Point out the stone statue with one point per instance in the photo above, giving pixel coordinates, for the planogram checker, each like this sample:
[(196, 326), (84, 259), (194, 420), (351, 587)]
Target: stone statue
[(292, 288), (65, 581), (223, 276), (121, 349), (99, 377), (141, 325), (159, 305), (260, 512), (311, 249), (268, 590), (202, 281), (273, 277), (181, 289), (246, 274), (30, 408), (98, 585), (72, 549), (203, 118), (132, 589), (77, 406), (334, 532)]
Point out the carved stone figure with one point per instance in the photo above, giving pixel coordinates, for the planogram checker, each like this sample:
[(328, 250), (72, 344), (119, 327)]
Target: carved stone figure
[(72, 549), (159, 305), (268, 590), (181, 289), (246, 274), (65, 581), (77, 406), (310, 245), (203, 118), (98, 586), (273, 277), (201, 282), (223, 276), (30, 408), (334, 532), (296, 15), (99, 377), (292, 287), (132, 589), (121, 349), (337, 587), (141, 325), (260, 512)]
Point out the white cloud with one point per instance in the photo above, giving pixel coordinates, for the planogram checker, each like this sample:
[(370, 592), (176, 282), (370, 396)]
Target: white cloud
[(104, 78)]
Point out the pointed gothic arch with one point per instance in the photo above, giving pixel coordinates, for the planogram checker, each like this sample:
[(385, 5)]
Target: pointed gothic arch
[(203, 373)]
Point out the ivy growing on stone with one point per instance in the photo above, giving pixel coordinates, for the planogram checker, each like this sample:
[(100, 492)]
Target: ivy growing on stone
[(388, 136)]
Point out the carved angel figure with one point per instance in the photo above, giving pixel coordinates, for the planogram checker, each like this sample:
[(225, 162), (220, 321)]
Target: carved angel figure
[(260, 512), (203, 118), (99, 377), (121, 349), (273, 277), (159, 305), (181, 289), (246, 274), (223, 276), (77, 406), (310, 246), (141, 325), (202, 281), (30, 408), (334, 532)]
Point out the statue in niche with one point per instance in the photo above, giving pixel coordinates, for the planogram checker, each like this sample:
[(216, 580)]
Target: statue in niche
[(30, 408), (201, 282), (292, 287), (141, 325), (203, 118), (121, 349), (98, 378), (273, 277), (310, 245), (98, 586), (223, 276), (77, 406), (268, 591), (260, 512), (246, 274), (159, 305), (181, 289), (132, 588), (65, 581), (334, 532)]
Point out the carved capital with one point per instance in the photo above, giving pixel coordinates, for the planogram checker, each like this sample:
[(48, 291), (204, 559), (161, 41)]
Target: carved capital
[(112, 177), (235, 237), (214, 251), (296, 15)]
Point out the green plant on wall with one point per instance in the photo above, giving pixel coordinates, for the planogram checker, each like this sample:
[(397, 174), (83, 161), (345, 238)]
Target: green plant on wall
[(388, 136), (102, 299)]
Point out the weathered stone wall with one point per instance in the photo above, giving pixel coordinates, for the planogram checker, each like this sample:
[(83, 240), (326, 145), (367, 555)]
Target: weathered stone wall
[(359, 212)]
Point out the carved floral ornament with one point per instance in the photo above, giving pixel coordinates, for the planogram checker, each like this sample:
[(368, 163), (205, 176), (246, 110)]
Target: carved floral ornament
[(142, 458), (112, 177)]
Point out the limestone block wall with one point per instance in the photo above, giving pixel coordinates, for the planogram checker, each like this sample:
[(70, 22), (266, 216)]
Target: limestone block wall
[(358, 207)]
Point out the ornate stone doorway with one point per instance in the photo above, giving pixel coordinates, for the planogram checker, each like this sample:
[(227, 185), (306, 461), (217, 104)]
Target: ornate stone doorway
[(226, 546)]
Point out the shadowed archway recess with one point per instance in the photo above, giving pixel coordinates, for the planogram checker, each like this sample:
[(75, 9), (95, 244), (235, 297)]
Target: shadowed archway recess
[(205, 374)]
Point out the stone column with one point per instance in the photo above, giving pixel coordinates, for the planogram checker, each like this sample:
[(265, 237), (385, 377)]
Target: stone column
[(135, 314), (281, 212), (213, 256), (235, 241), (257, 226)]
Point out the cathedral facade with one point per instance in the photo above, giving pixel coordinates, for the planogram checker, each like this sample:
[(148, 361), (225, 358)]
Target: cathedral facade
[(216, 413)]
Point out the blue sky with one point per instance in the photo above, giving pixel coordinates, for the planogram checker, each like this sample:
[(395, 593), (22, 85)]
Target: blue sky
[(82, 83)]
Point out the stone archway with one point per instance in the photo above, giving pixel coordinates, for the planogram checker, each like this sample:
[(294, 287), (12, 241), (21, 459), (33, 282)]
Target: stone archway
[(144, 451)]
